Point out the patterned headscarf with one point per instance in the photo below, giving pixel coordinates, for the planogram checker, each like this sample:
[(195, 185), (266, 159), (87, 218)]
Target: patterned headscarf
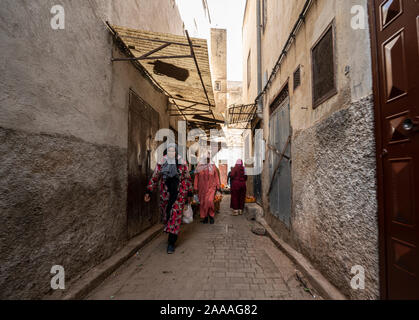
[(170, 165)]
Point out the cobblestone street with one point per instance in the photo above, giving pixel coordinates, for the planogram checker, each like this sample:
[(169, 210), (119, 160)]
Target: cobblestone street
[(221, 261)]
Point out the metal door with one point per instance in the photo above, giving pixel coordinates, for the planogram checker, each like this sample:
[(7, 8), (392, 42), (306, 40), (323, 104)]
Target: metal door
[(259, 156), (143, 123), (280, 195), (395, 43)]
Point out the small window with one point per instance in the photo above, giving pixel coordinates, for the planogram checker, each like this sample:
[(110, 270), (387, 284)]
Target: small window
[(297, 78), (323, 64), (249, 70), (217, 86)]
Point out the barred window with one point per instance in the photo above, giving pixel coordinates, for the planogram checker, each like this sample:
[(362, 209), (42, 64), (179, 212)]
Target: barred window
[(323, 67), (297, 78)]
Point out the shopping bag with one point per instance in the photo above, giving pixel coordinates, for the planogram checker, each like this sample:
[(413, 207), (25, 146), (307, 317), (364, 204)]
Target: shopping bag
[(218, 197), (187, 215)]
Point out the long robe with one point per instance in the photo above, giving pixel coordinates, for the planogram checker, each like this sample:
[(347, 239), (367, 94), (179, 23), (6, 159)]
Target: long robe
[(172, 217), (238, 188), (206, 182)]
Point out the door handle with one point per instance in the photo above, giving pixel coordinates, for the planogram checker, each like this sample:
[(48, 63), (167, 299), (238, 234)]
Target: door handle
[(410, 125)]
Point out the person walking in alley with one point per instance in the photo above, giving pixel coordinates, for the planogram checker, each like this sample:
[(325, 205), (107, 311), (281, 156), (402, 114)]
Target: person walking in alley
[(172, 175), (229, 177), (238, 188), (206, 184), (217, 204)]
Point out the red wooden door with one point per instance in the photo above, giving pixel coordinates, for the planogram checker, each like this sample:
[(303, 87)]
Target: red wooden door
[(397, 64)]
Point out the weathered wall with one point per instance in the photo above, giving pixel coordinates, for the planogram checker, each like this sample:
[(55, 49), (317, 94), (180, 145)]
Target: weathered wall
[(250, 46), (352, 50), (62, 202), (219, 67), (333, 215), (63, 129), (234, 92), (62, 81), (334, 221)]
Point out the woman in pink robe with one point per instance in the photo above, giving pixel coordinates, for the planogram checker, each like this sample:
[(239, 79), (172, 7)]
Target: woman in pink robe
[(206, 183)]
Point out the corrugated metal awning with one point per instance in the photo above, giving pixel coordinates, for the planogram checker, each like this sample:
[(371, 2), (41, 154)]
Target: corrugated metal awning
[(240, 116), (180, 67)]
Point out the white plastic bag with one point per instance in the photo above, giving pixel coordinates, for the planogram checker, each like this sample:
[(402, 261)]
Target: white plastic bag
[(187, 214)]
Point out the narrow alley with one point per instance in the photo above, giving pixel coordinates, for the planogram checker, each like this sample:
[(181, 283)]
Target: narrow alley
[(119, 117), (221, 261)]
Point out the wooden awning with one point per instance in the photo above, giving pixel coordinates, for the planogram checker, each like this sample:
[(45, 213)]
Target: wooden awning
[(179, 65)]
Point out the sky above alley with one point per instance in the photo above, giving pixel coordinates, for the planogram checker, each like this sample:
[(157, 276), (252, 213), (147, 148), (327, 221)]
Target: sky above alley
[(226, 14)]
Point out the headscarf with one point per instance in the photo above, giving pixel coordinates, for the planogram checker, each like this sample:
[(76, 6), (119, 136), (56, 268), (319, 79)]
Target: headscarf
[(204, 164), (169, 168), (238, 168)]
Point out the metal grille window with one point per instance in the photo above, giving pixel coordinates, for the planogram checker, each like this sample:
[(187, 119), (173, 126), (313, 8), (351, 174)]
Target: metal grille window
[(249, 70), (323, 64), (297, 78), (282, 96)]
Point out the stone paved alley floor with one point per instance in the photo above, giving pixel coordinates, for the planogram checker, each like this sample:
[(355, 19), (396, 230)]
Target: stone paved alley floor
[(221, 261)]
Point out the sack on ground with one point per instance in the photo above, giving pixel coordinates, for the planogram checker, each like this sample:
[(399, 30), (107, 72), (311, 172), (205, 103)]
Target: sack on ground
[(187, 215)]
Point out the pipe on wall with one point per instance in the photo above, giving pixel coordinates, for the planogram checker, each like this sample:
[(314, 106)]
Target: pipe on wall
[(259, 58), (291, 37)]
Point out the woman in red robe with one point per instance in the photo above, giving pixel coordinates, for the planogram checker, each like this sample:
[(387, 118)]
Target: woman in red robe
[(206, 183), (238, 188)]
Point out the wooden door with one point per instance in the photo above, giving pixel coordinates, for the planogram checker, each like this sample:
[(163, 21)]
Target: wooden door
[(395, 33), (223, 173), (143, 124)]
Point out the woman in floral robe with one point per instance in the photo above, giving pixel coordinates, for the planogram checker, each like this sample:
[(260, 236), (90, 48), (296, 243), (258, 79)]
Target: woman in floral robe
[(172, 176)]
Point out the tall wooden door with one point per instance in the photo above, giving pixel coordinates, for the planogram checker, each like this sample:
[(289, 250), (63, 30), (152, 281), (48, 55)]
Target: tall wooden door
[(396, 24), (223, 173), (143, 123)]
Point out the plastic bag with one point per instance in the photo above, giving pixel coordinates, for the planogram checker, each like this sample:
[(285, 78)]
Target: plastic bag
[(187, 215)]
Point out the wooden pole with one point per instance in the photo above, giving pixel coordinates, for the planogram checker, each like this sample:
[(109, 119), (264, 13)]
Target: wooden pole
[(279, 163)]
